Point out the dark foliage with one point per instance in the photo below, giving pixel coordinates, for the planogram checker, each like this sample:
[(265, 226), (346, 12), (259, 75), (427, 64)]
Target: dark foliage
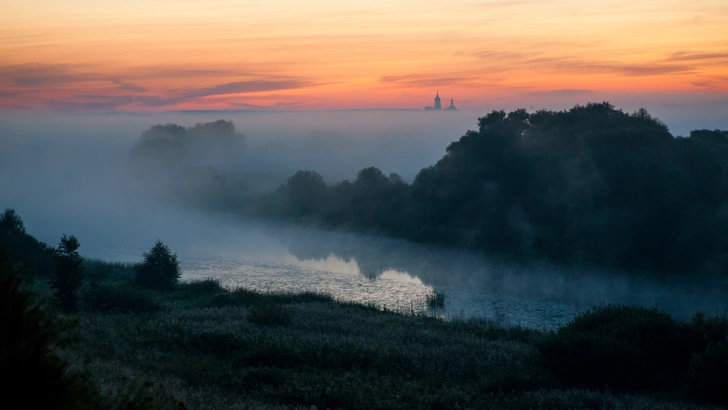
[(205, 286), (169, 146), (68, 276), (122, 298), (269, 314), (206, 291), (436, 300), (592, 185), (709, 373), (24, 247), (29, 334), (96, 270), (159, 270), (623, 347)]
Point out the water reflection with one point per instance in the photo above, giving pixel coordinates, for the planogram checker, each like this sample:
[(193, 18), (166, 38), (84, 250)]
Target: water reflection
[(399, 275), (534, 294)]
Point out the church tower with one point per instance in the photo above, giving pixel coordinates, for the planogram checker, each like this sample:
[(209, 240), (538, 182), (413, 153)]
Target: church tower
[(452, 106), (437, 101)]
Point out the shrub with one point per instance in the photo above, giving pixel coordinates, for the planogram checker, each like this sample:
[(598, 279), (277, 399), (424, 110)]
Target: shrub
[(621, 347), (97, 270), (709, 330), (160, 268), (120, 299), (268, 314), (709, 374), (68, 275), (205, 286), (247, 296), (436, 300)]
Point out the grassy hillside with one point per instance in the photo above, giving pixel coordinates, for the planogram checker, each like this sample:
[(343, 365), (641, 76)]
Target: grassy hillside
[(210, 348)]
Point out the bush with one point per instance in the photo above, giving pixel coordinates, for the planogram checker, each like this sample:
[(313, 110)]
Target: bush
[(436, 300), (268, 314), (97, 270), (205, 286), (160, 268), (709, 330), (709, 374), (621, 347), (247, 296), (120, 299)]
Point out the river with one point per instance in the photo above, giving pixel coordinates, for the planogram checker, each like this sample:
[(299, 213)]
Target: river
[(399, 275)]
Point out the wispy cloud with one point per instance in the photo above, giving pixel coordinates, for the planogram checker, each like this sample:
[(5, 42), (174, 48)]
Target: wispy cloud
[(32, 75), (118, 90), (502, 55), (103, 102), (423, 80), (558, 93), (687, 56), (126, 86), (498, 61), (628, 70), (251, 86)]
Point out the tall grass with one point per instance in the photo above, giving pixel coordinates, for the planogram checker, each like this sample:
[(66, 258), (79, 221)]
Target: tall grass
[(97, 270), (208, 348), (436, 299)]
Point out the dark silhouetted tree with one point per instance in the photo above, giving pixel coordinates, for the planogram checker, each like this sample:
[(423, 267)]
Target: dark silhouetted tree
[(11, 223), (23, 247), (160, 268), (591, 184), (68, 276), (306, 193), (26, 359)]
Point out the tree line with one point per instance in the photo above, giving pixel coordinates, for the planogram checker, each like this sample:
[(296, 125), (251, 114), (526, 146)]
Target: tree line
[(63, 265), (588, 185)]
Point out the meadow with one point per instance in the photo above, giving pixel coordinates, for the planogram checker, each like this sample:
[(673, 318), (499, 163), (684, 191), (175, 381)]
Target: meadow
[(201, 346)]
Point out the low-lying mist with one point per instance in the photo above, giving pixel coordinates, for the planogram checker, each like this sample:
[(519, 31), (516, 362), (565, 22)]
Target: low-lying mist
[(88, 175), (71, 172)]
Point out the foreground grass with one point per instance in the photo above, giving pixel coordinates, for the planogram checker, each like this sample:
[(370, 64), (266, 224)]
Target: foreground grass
[(203, 347)]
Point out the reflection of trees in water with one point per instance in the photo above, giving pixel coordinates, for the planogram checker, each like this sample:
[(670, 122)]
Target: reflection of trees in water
[(373, 255), (468, 272)]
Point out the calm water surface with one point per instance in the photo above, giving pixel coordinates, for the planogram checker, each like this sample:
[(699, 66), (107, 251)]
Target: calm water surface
[(399, 275)]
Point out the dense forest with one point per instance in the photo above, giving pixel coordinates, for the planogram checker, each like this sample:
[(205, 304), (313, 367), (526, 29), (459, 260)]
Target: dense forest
[(591, 185)]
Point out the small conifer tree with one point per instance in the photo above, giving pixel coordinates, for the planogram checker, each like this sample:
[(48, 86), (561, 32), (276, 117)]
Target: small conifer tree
[(68, 276), (160, 268)]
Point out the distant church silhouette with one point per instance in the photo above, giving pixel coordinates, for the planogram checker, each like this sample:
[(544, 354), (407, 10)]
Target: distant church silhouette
[(438, 106)]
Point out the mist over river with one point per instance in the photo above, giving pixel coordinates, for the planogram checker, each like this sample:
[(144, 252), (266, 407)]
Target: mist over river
[(70, 174), (385, 272)]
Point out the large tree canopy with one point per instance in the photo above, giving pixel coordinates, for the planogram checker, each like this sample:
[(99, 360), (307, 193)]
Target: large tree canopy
[(591, 184)]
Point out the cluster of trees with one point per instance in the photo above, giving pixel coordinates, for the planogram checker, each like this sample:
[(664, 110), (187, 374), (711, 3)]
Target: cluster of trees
[(592, 185), (171, 145), (175, 160), (23, 247), (31, 331), (159, 269)]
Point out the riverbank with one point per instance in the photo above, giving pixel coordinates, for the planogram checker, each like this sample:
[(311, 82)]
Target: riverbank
[(205, 347)]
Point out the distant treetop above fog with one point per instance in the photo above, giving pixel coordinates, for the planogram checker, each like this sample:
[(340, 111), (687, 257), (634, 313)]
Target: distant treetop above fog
[(171, 144)]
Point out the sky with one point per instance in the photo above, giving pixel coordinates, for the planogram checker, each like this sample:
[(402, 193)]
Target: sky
[(162, 55)]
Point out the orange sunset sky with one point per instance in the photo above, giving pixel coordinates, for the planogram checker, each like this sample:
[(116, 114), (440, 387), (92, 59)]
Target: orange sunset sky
[(158, 55)]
